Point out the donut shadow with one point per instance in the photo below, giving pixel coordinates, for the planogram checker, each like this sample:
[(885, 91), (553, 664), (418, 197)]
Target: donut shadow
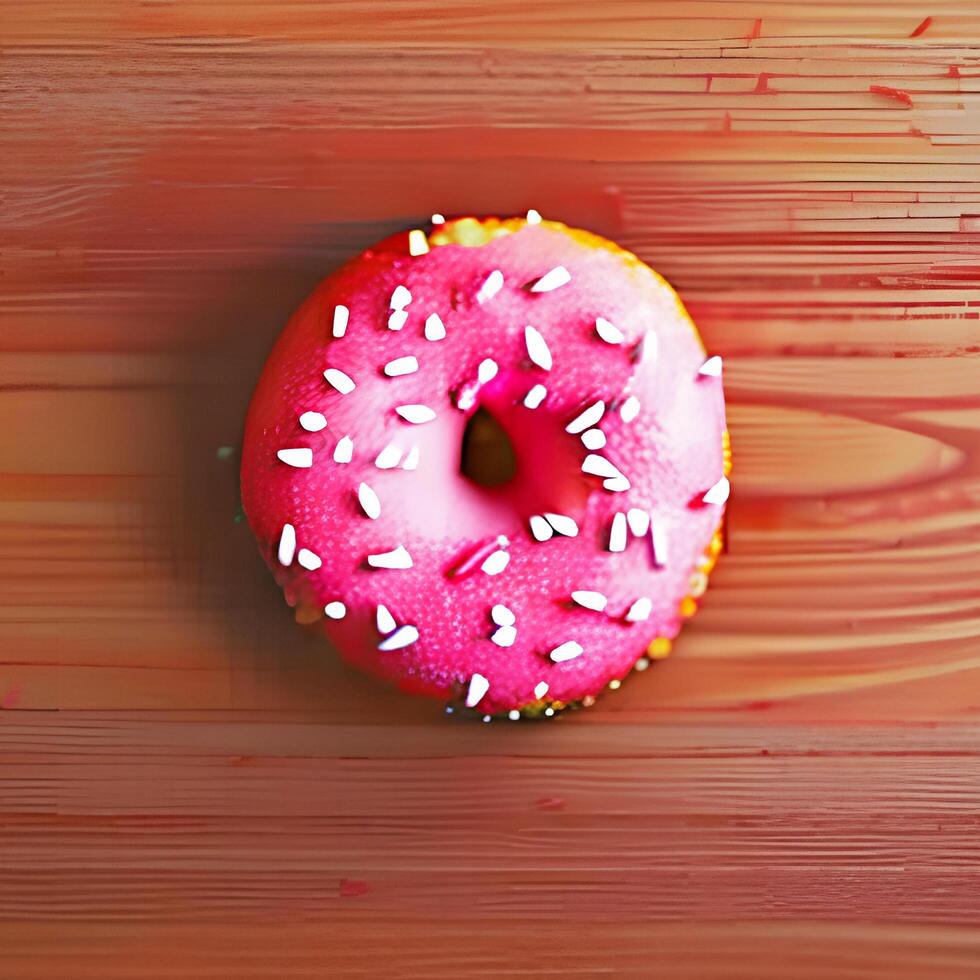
[(275, 663)]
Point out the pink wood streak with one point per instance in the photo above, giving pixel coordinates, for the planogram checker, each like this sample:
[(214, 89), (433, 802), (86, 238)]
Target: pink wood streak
[(192, 787)]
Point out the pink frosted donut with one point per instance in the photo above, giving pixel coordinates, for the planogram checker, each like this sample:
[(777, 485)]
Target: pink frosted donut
[(521, 597)]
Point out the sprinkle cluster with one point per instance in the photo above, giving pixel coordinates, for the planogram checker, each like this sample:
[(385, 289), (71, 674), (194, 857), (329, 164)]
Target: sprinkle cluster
[(492, 557)]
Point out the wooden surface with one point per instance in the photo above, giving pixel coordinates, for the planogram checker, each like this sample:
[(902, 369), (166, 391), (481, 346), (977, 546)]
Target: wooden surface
[(193, 787)]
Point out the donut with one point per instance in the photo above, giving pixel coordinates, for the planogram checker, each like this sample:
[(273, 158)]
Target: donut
[(579, 553)]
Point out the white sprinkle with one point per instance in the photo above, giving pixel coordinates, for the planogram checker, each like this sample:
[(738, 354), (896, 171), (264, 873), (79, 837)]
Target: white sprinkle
[(416, 414), (400, 298), (438, 219), (496, 562), (640, 610), (300, 458), (312, 421), (466, 398), (369, 501), (402, 637), (629, 409), (400, 366), (397, 319), (514, 714), (533, 217), (486, 719), (335, 610), (639, 521), (718, 494), (593, 439), (617, 533), (658, 544), (616, 484), (502, 616), (337, 379), (308, 560), (711, 367), (549, 712), (384, 620), (608, 332), (412, 459), (600, 466), (590, 600), (417, 242), (287, 544), (487, 370), (586, 419), (540, 690), (398, 558), (566, 651), (388, 458), (558, 276), (562, 524), (540, 528), (491, 286), (504, 636), (535, 396), (435, 329), (479, 686), (341, 315), (537, 348), (344, 452)]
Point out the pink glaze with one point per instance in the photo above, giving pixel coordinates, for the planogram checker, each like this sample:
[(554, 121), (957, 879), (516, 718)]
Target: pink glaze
[(671, 453)]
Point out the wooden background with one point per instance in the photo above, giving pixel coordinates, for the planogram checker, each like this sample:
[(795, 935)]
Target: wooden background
[(193, 787)]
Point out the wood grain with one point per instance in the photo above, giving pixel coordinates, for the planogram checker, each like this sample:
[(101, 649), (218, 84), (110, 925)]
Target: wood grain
[(192, 786)]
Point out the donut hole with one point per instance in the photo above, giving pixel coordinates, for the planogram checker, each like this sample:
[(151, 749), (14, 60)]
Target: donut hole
[(487, 456)]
